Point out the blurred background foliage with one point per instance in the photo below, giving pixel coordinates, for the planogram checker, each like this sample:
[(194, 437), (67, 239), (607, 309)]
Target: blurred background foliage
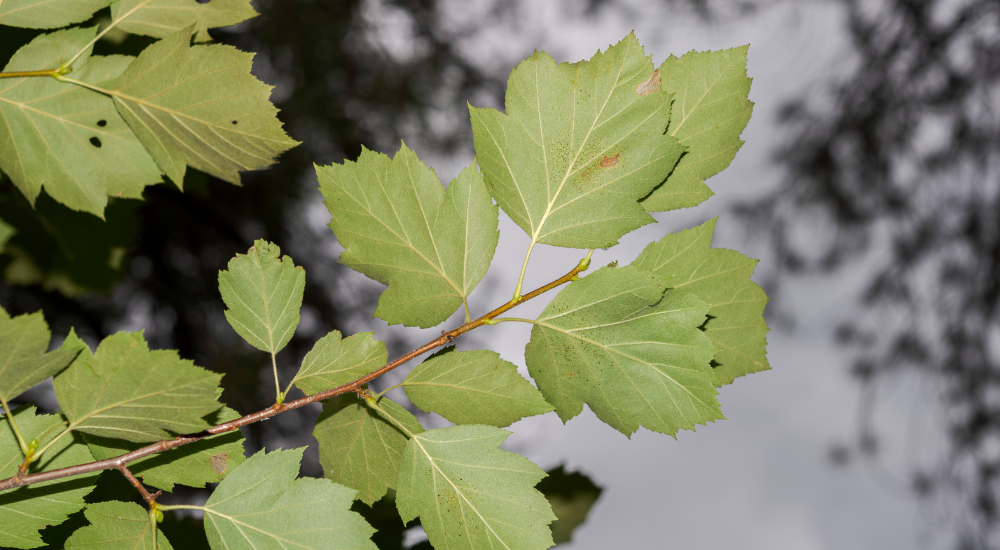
[(894, 170), (891, 169)]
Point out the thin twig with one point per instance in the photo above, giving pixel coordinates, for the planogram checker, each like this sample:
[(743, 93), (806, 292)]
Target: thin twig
[(146, 495), (161, 446)]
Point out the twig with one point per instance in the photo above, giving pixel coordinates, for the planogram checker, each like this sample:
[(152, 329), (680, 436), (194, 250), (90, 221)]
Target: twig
[(146, 495), (355, 386)]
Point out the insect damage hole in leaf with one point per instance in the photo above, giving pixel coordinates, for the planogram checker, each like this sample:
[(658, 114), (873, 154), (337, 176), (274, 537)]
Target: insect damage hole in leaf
[(46, 125)]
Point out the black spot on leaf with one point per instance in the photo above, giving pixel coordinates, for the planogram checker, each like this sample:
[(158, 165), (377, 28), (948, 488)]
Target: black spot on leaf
[(95, 142), (102, 123), (234, 122)]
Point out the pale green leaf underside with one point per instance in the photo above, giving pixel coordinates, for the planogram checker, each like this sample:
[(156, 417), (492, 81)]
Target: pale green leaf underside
[(23, 361), (400, 227), (722, 278), (116, 525), (263, 292), (473, 387), (710, 110), (125, 391), (195, 464), (470, 494), (161, 18), (579, 146), (613, 340), (261, 506), (359, 448), (333, 361), (199, 106), (65, 138), (47, 14), (26, 510)]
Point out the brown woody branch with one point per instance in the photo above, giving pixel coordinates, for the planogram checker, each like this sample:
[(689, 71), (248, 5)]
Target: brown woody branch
[(20, 480), (149, 498)]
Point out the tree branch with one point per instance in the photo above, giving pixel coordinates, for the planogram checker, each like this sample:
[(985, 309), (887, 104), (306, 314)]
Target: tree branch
[(149, 498), (119, 462)]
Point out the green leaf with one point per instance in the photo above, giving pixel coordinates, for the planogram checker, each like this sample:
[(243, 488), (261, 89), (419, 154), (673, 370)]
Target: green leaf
[(6, 232), (263, 292), (360, 448), (25, 510), (471, 494), (65, 138), (195, 464), (115, 525), (722, 278), (262, 506), (47, 14), (400, 227), (23, 361), (571, 496), (333, 362), (199, 106), (710, 111), (580, 144), (473, 387), (125, 391), (161, 18), (615, 341)]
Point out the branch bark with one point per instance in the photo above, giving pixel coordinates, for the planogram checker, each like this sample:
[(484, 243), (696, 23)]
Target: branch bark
[(146, 495), (446, 337)]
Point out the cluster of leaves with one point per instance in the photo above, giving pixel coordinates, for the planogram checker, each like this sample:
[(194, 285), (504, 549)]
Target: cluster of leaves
[(84, 128), (582, 155)]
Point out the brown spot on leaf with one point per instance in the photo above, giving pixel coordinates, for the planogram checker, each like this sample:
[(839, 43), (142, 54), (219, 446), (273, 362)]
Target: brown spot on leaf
[(650, 85), (610, 162), (219, 462)]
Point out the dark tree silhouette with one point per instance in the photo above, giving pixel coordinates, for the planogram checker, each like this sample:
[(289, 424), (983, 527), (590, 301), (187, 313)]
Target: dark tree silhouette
[(902, 157)]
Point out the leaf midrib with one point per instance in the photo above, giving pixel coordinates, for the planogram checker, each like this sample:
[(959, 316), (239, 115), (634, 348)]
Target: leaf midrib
[(570, 334), (583, 142), (407, 242), (61, 120), (433, 463), (93, 413)]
